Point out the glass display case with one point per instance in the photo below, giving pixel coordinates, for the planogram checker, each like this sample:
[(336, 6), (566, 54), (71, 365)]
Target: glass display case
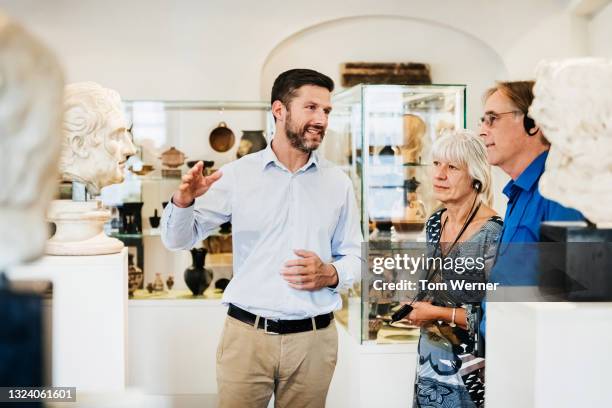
[(170, 137), (382, 135)]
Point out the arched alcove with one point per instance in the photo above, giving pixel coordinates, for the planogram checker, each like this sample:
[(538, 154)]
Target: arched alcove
[(454, 56)]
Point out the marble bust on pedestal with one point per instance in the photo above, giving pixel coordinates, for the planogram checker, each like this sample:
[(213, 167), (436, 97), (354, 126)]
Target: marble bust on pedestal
[(31, 90), (96, 145), (573, 107), (96, 141)]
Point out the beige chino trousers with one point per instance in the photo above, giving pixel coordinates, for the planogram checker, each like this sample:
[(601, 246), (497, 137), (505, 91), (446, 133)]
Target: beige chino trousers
[(252, 365)]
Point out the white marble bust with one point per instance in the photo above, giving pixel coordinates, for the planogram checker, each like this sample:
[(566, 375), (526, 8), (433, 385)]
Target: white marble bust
[(31, 91), (96, 141), (573, 107)]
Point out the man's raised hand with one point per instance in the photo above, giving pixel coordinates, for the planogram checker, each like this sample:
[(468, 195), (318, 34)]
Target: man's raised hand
[(193, 185)]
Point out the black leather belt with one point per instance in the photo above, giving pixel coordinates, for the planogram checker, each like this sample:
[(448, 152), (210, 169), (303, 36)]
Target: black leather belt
[(280, 326)]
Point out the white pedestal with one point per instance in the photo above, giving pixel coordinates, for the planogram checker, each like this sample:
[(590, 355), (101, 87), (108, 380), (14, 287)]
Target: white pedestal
[(80, 229), (548, 355), (89, 318), (173, 346), (372, 375)]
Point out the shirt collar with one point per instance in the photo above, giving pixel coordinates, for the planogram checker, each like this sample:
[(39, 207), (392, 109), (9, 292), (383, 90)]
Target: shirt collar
[(529, 177), (269, 156)]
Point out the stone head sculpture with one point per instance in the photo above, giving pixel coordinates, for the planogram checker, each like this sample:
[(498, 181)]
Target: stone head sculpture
[(96, 142), (31, 90), (573, 107)]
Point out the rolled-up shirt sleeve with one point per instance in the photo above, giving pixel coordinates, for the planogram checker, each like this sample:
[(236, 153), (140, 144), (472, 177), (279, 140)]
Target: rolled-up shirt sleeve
[(346, 243), (182, 228)]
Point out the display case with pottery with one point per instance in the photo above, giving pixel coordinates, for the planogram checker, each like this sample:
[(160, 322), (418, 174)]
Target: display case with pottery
[(205, 131), (390, 130)]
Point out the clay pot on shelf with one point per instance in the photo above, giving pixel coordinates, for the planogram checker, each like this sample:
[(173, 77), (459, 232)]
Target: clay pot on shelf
[(135, 276), (205, 169), (131, 218), (144, 170), (170, 282), (173, 158), (154, 220), (221, 284), (251, 141), (221, 138), (150, 287), (226, 228), (196, 276), (158, 284)]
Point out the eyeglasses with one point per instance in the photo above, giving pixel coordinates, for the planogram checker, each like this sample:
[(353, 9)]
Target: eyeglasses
[(490, 117)]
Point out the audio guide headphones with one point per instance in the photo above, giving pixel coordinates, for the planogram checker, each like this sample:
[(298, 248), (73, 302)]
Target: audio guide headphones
[(529, 124)]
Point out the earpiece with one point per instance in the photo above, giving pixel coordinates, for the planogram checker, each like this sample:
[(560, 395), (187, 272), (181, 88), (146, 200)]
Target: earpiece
[(477, 185), (529, 124)]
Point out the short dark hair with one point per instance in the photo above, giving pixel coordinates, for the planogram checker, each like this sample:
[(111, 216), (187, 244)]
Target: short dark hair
[(287, 83)]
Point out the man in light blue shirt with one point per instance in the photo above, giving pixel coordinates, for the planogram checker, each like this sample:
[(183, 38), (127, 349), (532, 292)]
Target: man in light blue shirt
[(296, 242)]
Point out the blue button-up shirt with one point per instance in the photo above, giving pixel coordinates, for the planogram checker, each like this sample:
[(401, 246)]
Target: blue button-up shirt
[(273, 212), (526, 210)]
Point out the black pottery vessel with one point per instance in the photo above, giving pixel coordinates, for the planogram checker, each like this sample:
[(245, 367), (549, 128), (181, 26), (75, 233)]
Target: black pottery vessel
[(131, 217), (196, 276)]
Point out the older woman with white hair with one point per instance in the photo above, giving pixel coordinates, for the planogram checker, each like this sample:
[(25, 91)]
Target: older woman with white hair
[(462, 235)]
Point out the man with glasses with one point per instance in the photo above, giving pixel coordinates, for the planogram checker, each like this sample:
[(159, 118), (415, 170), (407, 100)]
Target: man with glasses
[(516, 145)]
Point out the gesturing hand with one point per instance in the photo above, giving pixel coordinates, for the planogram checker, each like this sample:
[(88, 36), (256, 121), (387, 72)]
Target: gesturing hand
[(309, 272), (193, 185)]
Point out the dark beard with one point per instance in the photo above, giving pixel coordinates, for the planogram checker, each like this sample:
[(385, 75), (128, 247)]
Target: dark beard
[(297, 139)]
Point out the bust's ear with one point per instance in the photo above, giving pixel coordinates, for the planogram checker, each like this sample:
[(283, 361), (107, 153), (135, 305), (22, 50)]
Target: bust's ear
[(78, 146)]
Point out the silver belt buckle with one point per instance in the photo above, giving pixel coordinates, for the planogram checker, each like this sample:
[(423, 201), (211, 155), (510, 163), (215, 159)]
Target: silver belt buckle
[(266, 328)]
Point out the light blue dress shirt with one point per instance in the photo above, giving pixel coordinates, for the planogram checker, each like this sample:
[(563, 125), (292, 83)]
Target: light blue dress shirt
[(274, 212)]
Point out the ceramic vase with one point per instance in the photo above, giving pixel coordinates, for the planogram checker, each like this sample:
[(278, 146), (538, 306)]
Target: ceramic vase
[(196, 276)]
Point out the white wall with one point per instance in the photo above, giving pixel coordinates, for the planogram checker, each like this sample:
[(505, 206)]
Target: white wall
[(215, 49), (455, 57), (600, 33)]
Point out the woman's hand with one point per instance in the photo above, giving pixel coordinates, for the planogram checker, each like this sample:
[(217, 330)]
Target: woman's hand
[(423, 312)]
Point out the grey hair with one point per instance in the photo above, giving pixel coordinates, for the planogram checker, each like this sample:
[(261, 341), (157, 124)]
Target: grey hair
[(466, 149)]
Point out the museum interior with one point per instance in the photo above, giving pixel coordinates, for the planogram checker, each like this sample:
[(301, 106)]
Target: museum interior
[(130, 323)]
